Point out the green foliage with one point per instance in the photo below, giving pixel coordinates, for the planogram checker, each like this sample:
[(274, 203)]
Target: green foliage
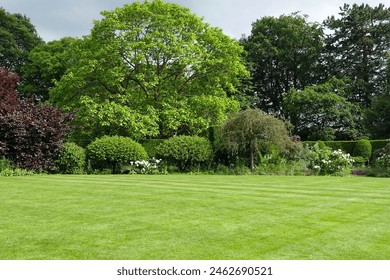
[(381, 165), (71, 160), (357, 48), (17, 38), (112, 152), (377, 118), (46, 63), (348, 146), (151, 145), (7, 169), (5, 164), (319, 113), (363, 149), (185, 152), (151, 70), (13, 172), (283, 53), (378, 144), (323, 160), (251, 132)]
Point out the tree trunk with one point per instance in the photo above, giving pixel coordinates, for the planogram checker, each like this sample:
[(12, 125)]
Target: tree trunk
[(252, 159)]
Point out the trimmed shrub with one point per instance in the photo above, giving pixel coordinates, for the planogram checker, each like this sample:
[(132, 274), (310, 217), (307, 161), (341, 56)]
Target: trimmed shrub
[(112, 152), (363, 149), (185, 152), (349, 146), (72, 159)]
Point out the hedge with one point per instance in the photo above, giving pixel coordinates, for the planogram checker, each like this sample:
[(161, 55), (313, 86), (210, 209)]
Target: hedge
[(349, 146), (363, 148)]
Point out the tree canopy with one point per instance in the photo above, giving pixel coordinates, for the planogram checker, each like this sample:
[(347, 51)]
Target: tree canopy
[(377, 119), (155, 70), (151, 69), (322, 113), (252, 131), (357, 47), (283, 53), (17, 38), (45, 64)]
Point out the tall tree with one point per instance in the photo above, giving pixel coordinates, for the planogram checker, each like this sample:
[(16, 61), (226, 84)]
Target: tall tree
[(46, 63), (322, 113), (284, 53), (17, 38), (357, 48), (151, 69)]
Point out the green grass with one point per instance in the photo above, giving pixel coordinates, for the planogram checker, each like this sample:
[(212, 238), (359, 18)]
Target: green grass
[(194, 217)]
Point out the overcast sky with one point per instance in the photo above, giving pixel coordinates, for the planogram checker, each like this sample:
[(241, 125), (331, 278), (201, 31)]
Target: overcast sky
[(55, 19)]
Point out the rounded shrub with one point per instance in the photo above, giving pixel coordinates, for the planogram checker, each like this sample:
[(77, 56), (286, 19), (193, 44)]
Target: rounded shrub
[(363, 149), (112, 152), (71, 160), (185, 152)]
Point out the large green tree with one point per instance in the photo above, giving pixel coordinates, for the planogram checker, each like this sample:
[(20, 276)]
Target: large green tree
[(45, 64), (322, 113), (284, 53), (17, 38), (357, 48), (151, 69)]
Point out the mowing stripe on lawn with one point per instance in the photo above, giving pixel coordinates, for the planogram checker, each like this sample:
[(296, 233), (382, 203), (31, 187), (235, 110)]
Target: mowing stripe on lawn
[(194, 217)]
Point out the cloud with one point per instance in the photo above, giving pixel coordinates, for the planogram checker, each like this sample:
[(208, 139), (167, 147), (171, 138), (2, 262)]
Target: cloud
[(55, 19)]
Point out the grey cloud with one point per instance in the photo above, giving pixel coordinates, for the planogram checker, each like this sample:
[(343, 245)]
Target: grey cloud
[(55, 19)]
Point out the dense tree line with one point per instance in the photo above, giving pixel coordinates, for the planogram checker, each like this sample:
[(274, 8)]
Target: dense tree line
[(155, 70), (290, 57)]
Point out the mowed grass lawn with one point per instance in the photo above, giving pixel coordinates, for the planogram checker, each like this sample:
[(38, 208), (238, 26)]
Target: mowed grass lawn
[(194, 217)]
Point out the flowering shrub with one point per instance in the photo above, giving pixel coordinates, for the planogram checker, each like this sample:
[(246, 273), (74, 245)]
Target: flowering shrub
[(381, 166), (324, 161), (112, 152), (151, 166), (383, 161)]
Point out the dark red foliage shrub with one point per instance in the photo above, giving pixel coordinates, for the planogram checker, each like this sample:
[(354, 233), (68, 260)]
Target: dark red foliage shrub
[(31, 135), (8, 96)]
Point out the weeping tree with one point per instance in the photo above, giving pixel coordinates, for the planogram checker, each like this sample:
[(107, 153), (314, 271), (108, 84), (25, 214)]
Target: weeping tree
[(252, 131)]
